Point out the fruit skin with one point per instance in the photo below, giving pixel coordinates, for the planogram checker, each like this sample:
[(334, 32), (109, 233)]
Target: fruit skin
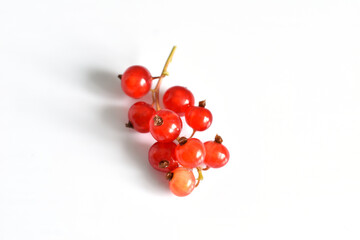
[(163, 152), (199, 118), (182, 182), (178, 99), (139, 115), (191, 154), (136, 81), (217, 155), (165, 125)]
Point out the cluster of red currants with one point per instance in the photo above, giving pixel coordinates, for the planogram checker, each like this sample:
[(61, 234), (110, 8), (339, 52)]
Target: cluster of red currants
[(176, 159)]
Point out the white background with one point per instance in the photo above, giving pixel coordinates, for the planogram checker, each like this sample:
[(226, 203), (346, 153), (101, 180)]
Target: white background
[(282, 79)]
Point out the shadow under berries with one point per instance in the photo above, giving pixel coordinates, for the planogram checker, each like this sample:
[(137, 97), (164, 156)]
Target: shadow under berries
[(105, 83), (134, 146)]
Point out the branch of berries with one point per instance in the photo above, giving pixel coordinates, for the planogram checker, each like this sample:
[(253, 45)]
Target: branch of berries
[(174, 155)]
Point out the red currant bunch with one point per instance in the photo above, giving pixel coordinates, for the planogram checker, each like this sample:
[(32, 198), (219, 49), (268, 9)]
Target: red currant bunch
[(174, 155)]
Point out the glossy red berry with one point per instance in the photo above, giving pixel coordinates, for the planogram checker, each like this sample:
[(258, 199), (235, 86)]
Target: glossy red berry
[(199, 118), (139, 116), (190, 153), (217, 154), (165, 125), (136, 81), (178, 99), (162, 156), (182, 182)]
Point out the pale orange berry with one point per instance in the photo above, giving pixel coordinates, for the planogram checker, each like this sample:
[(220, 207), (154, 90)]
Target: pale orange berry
[(182, 182)]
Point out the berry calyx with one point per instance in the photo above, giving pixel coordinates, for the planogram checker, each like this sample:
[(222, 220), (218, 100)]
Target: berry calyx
[(158, 121), (217, 155), (162, 156), (182, 141), (165, 125), (218, 139), (136, 81), (182, 181), (190, 153), (202, 103), (139, 116), (178, 99), (199, 118)]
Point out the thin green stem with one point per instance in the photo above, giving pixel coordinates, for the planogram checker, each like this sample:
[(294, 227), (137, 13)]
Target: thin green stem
[(164, 73), (200, 176)]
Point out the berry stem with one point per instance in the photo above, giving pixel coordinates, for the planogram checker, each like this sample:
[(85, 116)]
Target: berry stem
[(200, 176), (193, 133), (156, 90), (153, 97)]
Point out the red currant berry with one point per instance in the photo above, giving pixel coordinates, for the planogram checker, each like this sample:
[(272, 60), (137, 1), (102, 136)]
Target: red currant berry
[(182, 181), (199, 118), (190, 153), (136, 81), (165, 125), (162, 156), (139, 116), (217, 154), (178, 99)]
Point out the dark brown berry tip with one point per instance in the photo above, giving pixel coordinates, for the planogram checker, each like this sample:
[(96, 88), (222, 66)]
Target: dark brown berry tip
[(164, 164), (169, 176), (202, 103), (120, 76), (129, 125), (182, 141), (158, 121), (218, 139)]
